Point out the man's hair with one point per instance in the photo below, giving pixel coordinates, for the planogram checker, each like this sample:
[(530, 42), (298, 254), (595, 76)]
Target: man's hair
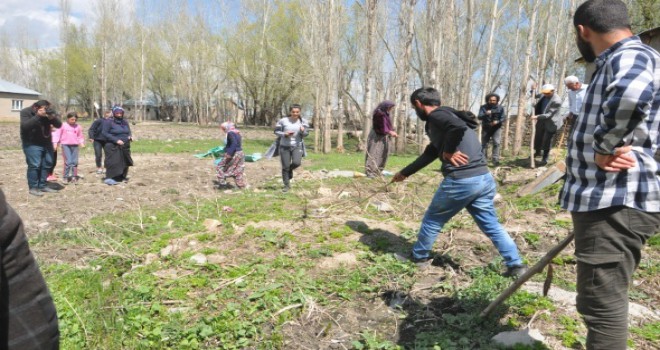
[(428, 96), (295, 105), (571, 79), (602, 16), (41, 103), (493, 95)]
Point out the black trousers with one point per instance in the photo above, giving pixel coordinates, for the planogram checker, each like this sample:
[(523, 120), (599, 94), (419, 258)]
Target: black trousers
[(608, 244), (98, 153), (291, 158)]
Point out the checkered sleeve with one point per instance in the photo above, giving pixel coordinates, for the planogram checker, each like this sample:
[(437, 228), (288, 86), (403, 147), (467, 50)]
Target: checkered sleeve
[(627, 101)]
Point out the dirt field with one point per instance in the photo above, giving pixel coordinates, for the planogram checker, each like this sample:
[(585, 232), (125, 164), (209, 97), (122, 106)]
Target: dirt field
[(155, 180)]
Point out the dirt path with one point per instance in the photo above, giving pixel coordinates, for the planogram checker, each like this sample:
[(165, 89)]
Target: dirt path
[(156, 180)]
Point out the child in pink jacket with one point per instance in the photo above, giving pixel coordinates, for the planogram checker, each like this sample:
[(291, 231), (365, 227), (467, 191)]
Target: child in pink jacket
[(70, 136)]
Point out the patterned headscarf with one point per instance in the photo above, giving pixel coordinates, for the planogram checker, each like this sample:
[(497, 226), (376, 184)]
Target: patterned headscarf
[(117, 110), (229, 126)]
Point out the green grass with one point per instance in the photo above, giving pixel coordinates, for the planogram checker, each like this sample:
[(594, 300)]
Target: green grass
[(271, 280)]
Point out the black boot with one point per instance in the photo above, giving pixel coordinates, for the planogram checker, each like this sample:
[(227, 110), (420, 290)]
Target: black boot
[(544, 161)]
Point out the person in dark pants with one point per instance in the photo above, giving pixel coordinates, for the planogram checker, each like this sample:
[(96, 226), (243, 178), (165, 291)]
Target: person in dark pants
[(467, 182), (117, 135), (28, 319), (37, 145), (291, 131), (612, 186), (95, 134), (492, 118), (548, 122)]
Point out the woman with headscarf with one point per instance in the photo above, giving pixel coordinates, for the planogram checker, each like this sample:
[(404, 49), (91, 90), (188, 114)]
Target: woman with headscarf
[(233, 162), (117, 135), (377, 143)]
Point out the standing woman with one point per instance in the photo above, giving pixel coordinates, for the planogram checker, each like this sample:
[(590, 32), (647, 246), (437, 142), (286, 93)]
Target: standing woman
[(117, 134), (377, 143), (291, 131), (233, 163)]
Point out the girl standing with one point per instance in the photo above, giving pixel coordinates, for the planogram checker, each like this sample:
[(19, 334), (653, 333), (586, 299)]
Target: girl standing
[(70, 139), (233, 163), (377, 143), (291, 131), (117, 148)]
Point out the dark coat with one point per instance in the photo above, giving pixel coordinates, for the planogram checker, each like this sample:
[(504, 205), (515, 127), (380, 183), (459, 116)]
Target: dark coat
[(35, 130), (28, 319)]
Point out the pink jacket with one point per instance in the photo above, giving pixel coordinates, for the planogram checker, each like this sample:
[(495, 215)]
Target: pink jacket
[(69, 135)]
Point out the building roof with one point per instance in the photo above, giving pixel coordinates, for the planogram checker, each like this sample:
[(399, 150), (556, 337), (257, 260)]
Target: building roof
[(12, 88)]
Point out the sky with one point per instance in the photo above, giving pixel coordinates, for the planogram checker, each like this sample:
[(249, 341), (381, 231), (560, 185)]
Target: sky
[(36, 23)]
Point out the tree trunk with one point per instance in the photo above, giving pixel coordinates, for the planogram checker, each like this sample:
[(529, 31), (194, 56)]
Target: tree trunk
[(407, 32), (522, 100), (371, 8), (512, 77)]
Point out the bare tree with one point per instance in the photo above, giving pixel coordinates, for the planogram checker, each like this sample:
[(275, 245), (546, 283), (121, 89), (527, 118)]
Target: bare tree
[(522, 99)]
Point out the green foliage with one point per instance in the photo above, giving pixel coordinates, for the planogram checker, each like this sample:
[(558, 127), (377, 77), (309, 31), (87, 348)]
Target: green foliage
[(570, 335), (650, 332)]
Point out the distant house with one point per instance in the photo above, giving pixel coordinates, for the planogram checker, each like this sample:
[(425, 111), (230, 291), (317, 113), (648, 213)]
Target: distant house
[(13, 98), (134, 108)]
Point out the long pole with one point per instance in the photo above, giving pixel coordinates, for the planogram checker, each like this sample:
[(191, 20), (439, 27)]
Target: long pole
[(538, 267)]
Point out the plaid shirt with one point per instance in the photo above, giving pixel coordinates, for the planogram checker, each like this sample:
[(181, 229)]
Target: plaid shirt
[(621, 107)]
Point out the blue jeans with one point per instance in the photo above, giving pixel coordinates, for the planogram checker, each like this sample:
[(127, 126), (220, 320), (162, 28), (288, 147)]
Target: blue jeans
[(71, 160), (39, 161), (476, 194)]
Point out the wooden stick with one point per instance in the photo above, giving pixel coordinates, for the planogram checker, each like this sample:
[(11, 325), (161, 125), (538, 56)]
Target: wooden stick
[(564, 132), (537, 268), (531, 145)]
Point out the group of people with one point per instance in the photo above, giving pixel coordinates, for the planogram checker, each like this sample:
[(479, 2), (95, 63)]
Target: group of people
[(43, 135), (612, 186)]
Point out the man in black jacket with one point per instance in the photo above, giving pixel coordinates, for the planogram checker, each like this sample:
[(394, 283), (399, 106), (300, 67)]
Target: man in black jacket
[(467, 181), (37, 145), (492, 117), (28, 319)]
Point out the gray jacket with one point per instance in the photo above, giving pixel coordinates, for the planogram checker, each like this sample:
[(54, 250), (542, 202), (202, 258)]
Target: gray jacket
[(551, 118)]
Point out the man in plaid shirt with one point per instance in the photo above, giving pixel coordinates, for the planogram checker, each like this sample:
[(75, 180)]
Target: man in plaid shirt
[(28, 319), (612, 186)]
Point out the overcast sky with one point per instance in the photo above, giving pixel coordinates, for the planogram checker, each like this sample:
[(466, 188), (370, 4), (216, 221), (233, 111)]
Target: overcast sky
[(39, 20)]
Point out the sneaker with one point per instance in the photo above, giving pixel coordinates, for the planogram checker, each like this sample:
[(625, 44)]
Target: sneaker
[(36, 192), (542, 163), (496, 163), (286, 189), (99, 171), (110, 182), (515, 271), (48, 190), (51, 178)]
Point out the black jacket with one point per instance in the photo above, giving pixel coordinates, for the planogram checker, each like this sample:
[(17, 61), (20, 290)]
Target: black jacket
[(95, 131), (28, 319), (496, 115), (35, 130), (449, 132)]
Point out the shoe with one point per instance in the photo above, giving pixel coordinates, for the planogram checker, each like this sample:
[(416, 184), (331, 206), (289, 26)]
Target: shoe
[(51, 178), (542, 163), (48, 190), (496, 163), (422, 263), (286, 189), (99, 171), (515, 271), (36, 192), (110, 182)]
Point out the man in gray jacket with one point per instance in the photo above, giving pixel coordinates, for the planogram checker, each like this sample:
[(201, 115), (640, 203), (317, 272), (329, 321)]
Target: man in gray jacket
[(548, 121)]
